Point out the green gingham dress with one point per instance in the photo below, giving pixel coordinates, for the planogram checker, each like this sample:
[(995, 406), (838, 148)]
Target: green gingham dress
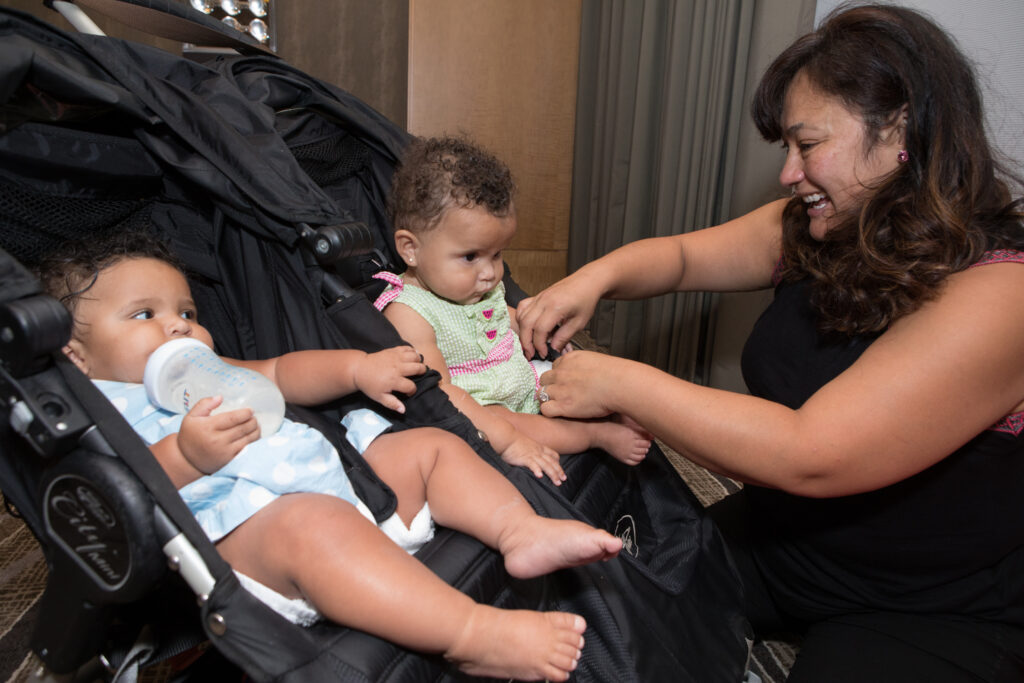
[(483, 352)]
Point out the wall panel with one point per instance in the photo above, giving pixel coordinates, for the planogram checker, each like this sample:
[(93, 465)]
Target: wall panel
[(505, 74)]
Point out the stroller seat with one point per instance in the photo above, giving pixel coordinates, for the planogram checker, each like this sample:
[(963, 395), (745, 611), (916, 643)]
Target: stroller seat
[(271, 190)]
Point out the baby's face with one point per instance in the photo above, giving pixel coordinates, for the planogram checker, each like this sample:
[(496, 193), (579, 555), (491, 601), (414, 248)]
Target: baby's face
[(135, 306), (460, 258)]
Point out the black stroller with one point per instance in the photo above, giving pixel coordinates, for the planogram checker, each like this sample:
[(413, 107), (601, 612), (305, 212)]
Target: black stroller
[(270, 186)]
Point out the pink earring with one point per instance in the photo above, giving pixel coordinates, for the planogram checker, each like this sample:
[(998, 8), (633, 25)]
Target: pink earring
[(903, 156)]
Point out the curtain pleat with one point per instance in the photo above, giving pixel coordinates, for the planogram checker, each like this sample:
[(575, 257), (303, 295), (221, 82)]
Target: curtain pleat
[(658, 113)]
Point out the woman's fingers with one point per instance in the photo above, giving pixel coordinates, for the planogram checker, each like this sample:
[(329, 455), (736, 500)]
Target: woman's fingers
[(525, 316), (576, 386), (542, 326)]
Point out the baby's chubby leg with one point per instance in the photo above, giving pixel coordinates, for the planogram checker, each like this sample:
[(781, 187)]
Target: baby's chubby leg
[(623, 439), (321, 548), (467, 494)]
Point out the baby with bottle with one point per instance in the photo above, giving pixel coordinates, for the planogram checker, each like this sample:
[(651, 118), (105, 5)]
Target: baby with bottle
[(328, 558)]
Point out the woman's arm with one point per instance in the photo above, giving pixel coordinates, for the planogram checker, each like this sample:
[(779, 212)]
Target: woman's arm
[(735, 256), (929, 384)]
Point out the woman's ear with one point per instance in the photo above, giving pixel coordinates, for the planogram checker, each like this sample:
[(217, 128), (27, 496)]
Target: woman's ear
[(76, 353), (407, 245)]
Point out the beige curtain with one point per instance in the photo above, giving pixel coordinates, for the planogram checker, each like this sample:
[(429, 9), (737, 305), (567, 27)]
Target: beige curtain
[(659, 107)]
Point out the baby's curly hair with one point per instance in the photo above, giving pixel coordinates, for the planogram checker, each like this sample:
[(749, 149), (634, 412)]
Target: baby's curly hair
[(437, 174), (71, 271)]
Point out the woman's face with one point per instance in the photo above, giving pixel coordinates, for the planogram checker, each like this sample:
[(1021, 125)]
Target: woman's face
[(827, 163)]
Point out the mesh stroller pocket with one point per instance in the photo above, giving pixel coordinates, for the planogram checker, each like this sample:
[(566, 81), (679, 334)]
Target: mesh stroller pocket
[(69, 186)]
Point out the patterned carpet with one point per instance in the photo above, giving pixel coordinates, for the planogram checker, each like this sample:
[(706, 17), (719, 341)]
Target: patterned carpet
[(23, 577)]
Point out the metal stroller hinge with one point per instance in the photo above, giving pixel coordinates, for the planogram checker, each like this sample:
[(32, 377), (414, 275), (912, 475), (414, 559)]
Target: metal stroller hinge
[(42, 412), (183, 557)]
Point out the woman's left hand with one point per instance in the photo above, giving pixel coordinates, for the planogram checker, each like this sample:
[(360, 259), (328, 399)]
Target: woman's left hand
[(583, 384)]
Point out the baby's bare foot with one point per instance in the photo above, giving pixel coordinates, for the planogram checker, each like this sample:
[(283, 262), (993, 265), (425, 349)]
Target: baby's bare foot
[(539, 545), (622, 438), (519, 644)]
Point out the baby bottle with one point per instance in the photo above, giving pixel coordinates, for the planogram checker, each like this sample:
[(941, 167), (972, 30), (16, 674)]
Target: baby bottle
[(183, 371)]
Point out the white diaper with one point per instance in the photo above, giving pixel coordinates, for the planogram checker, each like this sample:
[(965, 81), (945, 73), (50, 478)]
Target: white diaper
[(411, 538), (541, 366), (300, 611), (297, 610)]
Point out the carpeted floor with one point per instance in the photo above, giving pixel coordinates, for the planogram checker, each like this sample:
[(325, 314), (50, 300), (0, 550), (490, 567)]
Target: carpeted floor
[(23, 577)]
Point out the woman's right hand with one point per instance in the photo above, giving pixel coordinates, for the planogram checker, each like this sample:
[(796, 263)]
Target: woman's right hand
[(552, 317)]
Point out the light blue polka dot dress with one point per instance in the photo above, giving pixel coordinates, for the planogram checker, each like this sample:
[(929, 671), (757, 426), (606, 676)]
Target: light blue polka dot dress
[(296, 458)]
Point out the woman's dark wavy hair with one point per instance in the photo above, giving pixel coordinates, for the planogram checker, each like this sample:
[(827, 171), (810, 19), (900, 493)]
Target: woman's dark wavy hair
[(437, 174), (935, 214)]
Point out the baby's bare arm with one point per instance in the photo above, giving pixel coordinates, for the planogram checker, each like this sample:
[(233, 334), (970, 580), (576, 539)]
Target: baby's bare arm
[(177, 467), (317, 376), (514, 447), (415, 329)]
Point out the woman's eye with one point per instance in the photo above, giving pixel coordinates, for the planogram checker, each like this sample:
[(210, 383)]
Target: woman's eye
[(802, 146)]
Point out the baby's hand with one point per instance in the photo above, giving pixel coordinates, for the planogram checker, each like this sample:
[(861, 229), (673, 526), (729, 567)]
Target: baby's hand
[(381, 374), (208, 441), (538, 459)]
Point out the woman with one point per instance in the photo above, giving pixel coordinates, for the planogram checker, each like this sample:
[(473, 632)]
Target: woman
[(882, 444)]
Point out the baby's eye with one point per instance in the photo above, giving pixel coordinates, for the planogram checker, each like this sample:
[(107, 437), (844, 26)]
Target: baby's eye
[(188, 315), (144, 314), (470, 257)]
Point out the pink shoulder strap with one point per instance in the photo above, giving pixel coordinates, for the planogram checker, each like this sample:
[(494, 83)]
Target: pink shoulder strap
[(999, 256), (390, 295)]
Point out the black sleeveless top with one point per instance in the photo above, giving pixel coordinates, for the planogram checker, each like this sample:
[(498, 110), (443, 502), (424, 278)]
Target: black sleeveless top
[(949, 540)]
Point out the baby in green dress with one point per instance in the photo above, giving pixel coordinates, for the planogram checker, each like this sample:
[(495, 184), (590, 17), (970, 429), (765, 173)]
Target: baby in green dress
[(453, 212)]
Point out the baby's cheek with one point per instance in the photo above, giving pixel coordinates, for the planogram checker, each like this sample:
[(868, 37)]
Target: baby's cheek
[(201, 333)]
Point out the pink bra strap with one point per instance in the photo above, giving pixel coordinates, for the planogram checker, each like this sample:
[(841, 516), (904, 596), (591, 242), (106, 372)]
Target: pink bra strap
[(1011, 424), (999, 256)]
